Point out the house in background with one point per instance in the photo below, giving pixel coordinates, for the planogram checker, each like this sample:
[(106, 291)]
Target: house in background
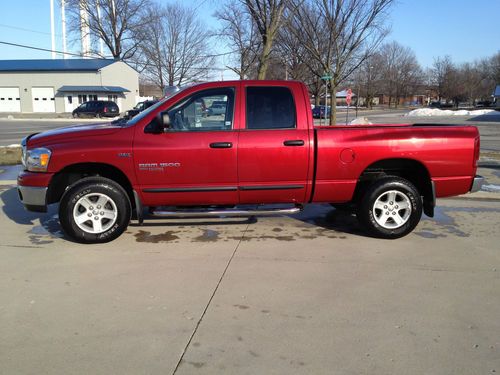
[(61, 85)]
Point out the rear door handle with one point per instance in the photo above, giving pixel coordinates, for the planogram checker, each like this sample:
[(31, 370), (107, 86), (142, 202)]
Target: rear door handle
[(296, 142), (221, 145)]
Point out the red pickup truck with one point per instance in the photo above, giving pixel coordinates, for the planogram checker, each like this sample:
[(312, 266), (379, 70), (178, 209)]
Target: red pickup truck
[(232, 149)]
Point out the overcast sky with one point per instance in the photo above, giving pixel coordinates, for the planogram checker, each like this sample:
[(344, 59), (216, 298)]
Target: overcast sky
[(464, 29)]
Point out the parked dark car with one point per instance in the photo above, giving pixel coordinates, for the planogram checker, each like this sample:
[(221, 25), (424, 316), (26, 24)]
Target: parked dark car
[(319, 111), (484, 104), (139, 107), (97, 108), (440, 105)]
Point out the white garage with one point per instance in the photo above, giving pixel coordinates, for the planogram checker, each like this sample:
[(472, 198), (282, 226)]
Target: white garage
[(43, 99), (9, 99)]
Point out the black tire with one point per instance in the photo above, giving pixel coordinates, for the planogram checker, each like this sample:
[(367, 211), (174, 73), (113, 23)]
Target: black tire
[(98, 115), (76, 115), (92, 187), (371, 217)]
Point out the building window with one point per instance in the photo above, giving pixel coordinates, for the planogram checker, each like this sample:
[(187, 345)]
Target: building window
[(70, 99), (82, 99), (113, 98)]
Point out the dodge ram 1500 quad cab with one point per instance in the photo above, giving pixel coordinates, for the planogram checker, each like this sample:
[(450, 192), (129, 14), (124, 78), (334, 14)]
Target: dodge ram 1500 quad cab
[(259, 148)]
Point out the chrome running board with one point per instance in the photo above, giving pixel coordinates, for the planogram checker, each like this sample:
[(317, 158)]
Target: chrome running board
[(187, 213)]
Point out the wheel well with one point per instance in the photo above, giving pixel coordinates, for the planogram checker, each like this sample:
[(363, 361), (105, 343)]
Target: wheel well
[(409, 169), (72, 173)]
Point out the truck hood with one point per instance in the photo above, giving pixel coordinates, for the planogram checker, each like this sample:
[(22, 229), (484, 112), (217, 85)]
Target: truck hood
[(71, 132)]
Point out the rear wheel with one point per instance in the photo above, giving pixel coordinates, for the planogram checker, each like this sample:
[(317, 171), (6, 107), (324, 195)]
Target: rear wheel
[(390, 208), (94, 210)]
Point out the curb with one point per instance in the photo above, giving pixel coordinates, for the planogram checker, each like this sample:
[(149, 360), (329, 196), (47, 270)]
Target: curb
[(8, 182)]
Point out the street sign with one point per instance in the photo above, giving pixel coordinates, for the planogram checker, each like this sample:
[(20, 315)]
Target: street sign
[(348, 97), (326, 78)]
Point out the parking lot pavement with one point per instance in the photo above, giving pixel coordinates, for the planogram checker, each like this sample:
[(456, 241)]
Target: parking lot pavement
[(302, 294)]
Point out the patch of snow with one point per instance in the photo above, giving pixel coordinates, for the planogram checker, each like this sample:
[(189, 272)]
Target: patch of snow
[(360, 121), (426, 112), (490, 188), (14, 145)]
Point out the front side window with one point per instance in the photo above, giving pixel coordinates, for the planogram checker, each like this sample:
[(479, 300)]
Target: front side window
[(270, 108), (204, 111)]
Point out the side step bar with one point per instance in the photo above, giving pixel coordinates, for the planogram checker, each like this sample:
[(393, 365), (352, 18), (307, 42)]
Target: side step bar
[(226, 213)]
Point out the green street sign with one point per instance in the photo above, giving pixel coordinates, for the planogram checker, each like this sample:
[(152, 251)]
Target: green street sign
[(326, 78)]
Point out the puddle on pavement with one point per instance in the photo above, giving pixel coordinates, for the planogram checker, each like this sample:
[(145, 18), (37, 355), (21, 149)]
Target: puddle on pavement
[(447, 221), (46, 232), (168, 236), (323, 224), (208, 236)]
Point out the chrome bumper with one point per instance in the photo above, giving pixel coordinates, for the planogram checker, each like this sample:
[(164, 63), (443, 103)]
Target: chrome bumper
[(476, 184), (33, 197)]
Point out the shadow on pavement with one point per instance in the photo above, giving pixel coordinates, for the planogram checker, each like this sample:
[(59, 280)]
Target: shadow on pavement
[(486, 118), (329, 218), (14, 210)]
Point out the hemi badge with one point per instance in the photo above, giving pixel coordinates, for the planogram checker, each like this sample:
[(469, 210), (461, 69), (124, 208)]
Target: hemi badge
[(124, 154)]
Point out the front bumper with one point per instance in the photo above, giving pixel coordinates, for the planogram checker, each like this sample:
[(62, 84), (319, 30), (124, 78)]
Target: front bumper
[(32, 188), (476, 184), (34, 198)]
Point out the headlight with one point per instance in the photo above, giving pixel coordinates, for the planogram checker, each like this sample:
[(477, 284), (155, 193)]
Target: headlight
[(37, 160)]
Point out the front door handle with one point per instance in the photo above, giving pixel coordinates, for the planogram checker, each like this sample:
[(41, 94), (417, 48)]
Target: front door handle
[(296, 142), (221, 145)]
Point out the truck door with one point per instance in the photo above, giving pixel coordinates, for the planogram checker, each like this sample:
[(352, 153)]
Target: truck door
[(273, 146), (194, 161)]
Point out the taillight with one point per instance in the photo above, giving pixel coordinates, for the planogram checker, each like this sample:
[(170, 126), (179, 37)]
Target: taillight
[(105, 109), (477, 148)]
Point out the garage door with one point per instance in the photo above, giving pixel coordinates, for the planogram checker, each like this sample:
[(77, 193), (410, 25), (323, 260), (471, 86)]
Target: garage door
[(43, 99), (9, 99)]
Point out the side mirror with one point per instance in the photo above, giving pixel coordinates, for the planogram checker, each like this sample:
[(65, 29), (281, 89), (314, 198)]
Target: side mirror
[(161, 124), (164, 121)]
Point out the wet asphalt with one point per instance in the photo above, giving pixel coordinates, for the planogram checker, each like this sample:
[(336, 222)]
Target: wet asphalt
[(302, 294)]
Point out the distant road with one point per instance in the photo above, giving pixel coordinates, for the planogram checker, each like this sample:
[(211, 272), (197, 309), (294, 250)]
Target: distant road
[(13, 131)]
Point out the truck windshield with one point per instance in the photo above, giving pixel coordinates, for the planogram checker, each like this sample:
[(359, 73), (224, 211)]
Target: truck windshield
[(134, 120)]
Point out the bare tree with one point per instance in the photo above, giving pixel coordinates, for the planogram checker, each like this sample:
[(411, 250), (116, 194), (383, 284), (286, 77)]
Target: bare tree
[(401, 73), (175, 45), (368, 79), (240, 32), (267, 16), (495, 67), (115, 22), (340, 35), (442, 73)]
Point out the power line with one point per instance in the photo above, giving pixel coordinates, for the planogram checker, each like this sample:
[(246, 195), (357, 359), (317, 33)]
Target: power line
[(28, 30), (40, 49), (80, 55)]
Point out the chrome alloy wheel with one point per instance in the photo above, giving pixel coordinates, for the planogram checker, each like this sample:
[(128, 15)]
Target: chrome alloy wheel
[(95, 213), (392, 209)]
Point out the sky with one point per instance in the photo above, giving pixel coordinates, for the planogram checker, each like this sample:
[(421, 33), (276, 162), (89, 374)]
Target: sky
[(463, 29)]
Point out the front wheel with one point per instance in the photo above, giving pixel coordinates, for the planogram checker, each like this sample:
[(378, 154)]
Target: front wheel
[(390, 208), (94, 210)]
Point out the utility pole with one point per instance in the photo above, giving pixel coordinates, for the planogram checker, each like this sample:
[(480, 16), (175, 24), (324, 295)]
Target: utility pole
[(84, 29), (101, 42), (63, 21), (52, 29)]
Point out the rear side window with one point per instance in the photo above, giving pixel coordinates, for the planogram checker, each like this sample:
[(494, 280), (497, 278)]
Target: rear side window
[(270, 108)]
